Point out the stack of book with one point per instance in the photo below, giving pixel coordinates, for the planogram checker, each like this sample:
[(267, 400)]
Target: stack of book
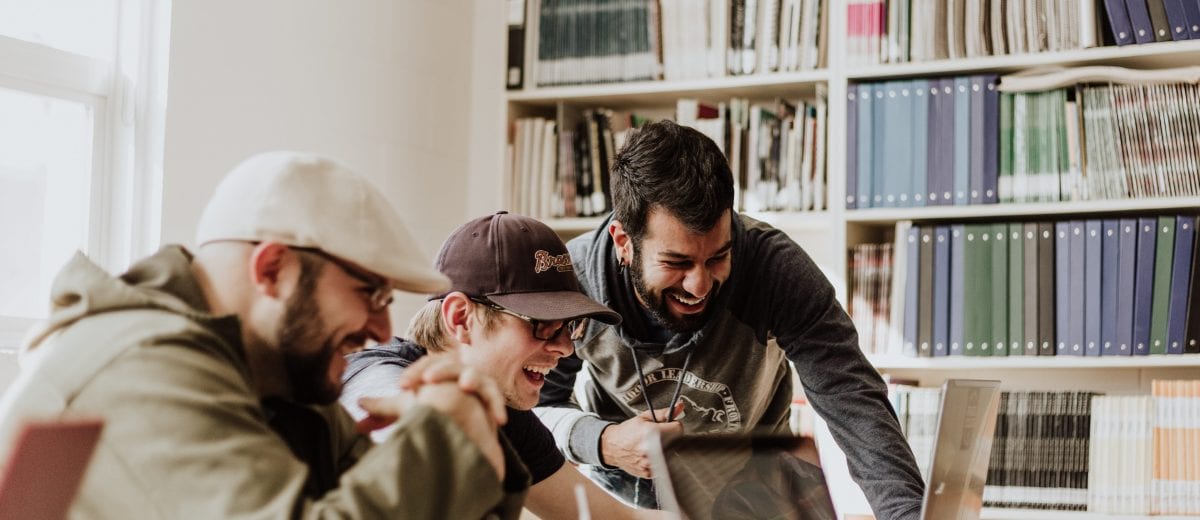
[(899, 31), (870, 296)]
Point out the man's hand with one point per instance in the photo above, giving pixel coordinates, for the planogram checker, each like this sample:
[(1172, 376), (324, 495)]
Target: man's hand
[(622, 445), (448, 368), (465, 409)]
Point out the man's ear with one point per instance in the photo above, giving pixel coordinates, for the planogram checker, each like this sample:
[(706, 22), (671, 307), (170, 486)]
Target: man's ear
[(622, 241), (456, 317), (267, 263)]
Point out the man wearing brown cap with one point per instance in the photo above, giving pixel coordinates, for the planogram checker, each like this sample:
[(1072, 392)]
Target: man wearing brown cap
[(514, 304), (217, 370)]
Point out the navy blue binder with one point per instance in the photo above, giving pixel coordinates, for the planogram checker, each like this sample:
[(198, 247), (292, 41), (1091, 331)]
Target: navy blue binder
[(851, 146), (1109, 272), (1075, 306), (1177, 19), (1118, 21), (958, 242), (1181, 271), (1092, 285), (991, 139), (941, 290), (1191, 12), (1139, 19), (912, 291), (1192, 336), (941, 144), (1143, 285), (1126, 284)]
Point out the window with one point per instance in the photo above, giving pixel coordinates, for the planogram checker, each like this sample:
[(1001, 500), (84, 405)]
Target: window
[(81, 97)]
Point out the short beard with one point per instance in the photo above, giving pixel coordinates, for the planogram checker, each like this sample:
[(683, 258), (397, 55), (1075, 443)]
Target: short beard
[(656, 302), (307, 370)]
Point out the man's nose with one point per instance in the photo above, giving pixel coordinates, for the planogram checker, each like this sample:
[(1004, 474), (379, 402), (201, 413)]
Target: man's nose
[(698, 282), (379, 325), (562, 345)]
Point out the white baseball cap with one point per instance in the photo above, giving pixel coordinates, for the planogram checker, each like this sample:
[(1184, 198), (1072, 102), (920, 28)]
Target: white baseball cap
[(306, 200)]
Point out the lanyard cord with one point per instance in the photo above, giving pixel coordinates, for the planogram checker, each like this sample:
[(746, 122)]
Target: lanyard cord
[(678, 385)]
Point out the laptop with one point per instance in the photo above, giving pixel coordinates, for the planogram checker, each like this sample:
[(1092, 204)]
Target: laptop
[(743, 476), (45, 467)]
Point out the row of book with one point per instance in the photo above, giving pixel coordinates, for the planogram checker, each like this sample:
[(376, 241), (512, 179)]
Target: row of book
[(900, 31), (601, 41), (1147, 21), (776, 151), (1079, 451), (1145, 451), (1112, 287), (960, 141)]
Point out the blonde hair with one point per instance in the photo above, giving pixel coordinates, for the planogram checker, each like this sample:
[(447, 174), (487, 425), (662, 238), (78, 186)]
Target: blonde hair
[(428, 330)]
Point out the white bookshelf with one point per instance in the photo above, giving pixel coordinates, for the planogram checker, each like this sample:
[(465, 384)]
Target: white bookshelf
[(990, 513), (827, 235)]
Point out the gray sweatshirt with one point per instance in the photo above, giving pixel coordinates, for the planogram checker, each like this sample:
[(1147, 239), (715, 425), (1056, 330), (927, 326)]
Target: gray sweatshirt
[(737, 379)]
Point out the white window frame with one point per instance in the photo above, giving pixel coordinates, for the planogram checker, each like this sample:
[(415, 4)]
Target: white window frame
[(127, 96)]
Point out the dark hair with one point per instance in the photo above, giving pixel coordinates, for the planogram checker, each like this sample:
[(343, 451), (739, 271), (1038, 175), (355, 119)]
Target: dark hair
[(675, 168)]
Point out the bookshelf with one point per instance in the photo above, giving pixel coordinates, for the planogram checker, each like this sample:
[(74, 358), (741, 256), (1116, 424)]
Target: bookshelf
[(829, 234)]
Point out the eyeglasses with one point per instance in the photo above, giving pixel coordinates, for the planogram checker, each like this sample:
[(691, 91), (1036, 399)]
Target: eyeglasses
[(542, 330), (380, 291)]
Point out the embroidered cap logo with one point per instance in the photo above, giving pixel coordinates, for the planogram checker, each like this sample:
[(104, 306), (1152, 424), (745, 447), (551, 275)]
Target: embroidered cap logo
[(544, 261)]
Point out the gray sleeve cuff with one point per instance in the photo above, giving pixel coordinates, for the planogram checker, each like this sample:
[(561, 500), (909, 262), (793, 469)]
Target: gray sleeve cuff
[(585, 440)]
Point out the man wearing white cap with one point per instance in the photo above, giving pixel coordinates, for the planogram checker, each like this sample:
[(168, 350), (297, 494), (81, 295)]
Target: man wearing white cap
[(217, 370)]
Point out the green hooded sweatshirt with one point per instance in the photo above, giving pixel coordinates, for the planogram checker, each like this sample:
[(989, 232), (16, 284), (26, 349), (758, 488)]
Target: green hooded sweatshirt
[(185, 434)]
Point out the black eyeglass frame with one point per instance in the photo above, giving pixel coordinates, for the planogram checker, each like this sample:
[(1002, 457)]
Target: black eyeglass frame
[(381, 294), (538, 327)]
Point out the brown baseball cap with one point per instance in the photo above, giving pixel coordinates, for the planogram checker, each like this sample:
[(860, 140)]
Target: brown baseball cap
[(520, 264)]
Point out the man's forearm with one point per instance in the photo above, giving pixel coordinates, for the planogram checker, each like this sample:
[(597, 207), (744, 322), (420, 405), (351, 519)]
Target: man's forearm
[(577, 433)]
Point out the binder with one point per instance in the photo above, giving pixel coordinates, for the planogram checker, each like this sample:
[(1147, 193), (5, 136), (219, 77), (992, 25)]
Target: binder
[(1092, 286), (976, 154), (1109, 273), (1045, 290), (866, 98), (1161, 298), (919, 170), (1118, 21), (1158, 20), (1185, 240), (958, 276), (1191, 12), (991, 139), (851, 146), (1192, 335), (1075, 302), (962, 140), (912, 291), (880, 162), (941, 290), (893, 168), (941, 143), (1030, 332), (1177, 22), (1016, 289), (977, 314), (999, 289), (925, 279), (1126, 284), (1143, 285), (1139, 19), (1062, 290), (515, 74)]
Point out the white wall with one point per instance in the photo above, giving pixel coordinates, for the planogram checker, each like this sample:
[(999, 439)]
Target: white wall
[(384, 85)]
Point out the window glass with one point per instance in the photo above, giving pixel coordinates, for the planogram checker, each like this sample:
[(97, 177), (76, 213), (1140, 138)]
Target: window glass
[(45, 172), (79, 26)]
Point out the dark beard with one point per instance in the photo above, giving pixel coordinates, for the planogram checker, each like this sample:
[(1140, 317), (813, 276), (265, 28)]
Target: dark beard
[(656, 302), (307, 371)]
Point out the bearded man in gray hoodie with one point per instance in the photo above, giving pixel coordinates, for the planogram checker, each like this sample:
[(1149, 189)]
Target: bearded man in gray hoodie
[(714, 306)]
